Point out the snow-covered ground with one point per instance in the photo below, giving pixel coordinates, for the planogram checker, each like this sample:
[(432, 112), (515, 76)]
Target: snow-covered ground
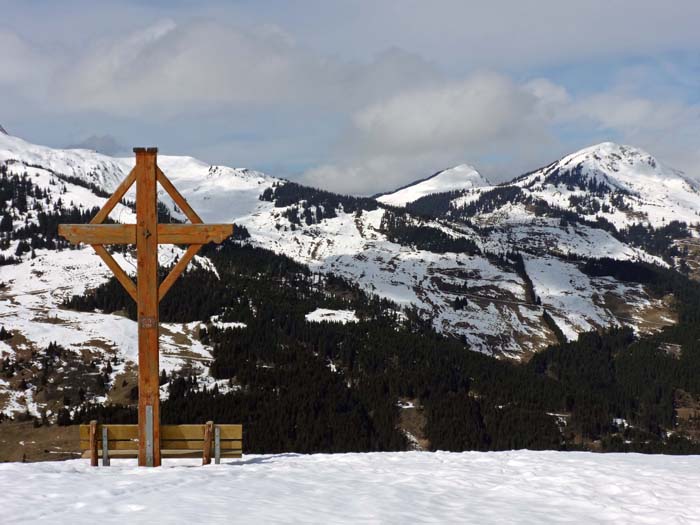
[(335, 316), (31, 305), (407, 487)]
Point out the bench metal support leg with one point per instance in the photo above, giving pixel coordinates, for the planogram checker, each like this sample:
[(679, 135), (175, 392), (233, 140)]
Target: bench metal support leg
[(217, 445), (105, 447), (149, 435)]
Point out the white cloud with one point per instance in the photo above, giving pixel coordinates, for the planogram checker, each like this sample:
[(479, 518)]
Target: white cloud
[(22, 65), (418, 132), (173, 68), (475, 111), (319, 91), (503, 128)]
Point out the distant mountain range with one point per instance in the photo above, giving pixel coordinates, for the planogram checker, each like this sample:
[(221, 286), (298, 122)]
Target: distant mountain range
[(105, 144)]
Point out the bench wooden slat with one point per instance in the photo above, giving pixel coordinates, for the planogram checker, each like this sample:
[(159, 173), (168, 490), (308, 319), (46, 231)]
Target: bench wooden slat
[(112, 445), (180, 444), (114, 431), (230, 431), (166, 431), (197, 431), (121, 454), (182, 432)]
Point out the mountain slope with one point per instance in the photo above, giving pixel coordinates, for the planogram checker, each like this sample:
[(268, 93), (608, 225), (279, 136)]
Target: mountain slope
[(458, 178), (505, 275), (351, 238)]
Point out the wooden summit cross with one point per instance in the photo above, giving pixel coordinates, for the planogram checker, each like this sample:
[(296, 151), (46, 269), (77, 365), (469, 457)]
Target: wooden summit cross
[(147, 293)]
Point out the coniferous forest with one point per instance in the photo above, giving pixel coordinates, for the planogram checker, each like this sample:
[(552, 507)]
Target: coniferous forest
[(313, 387)]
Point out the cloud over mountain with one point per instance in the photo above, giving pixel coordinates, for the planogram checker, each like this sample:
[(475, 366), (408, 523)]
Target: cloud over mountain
[(357, 103)]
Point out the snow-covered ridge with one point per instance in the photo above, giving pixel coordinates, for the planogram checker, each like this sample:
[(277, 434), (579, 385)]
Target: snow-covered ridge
[(94, 168), (218, 193), (460, 177)]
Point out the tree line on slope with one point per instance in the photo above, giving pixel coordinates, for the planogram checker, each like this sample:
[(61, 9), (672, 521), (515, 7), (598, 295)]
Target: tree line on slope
[(384, 357), (656, 240), (311, 387)]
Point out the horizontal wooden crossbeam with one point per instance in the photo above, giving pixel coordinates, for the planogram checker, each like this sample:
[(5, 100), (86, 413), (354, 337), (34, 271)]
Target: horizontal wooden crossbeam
[(126, 233), (193, 233), (98, 233)]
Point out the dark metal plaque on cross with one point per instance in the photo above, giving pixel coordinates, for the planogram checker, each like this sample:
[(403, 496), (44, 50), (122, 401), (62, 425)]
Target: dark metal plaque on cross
[(147, 233)]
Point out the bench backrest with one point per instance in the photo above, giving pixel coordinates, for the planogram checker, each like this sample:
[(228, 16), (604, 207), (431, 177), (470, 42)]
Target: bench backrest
[(172, 437)]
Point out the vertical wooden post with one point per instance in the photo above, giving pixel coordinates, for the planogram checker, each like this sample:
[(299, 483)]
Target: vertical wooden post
[(206, 447), (147, 293), (93, 443)]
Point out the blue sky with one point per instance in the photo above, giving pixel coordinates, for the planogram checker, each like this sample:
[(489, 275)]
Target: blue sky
[(354, 95)]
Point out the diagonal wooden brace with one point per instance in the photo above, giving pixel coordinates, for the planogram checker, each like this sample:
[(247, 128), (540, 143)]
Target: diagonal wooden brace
[(177, 270), (120, 274), (115, 198), (177, 197)]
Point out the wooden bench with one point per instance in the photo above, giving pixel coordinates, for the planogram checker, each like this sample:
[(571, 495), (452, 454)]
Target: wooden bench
[(176, 441)]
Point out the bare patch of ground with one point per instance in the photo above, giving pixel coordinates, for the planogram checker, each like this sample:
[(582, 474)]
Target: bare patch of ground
[(412, 420), (24, 442), (649, 318), (691, 256), (123, 387), (687, 414)]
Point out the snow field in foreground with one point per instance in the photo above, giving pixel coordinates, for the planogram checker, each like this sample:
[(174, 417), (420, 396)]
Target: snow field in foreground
[(406, 487)]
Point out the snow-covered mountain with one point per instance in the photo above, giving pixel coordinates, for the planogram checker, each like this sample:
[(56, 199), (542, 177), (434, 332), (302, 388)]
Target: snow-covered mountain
[(628, 185), (2, 130), (461, 274), (106, 144), (88, 166), (460, 177), (620, 184)]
